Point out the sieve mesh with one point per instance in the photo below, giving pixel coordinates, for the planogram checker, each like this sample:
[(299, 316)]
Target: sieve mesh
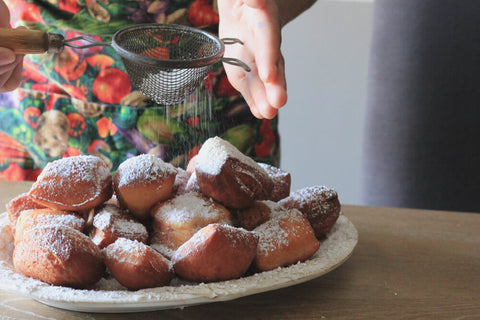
[(167, 62)]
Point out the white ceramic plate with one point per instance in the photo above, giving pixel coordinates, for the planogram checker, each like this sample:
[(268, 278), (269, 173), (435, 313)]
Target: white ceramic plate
[(109, 297)]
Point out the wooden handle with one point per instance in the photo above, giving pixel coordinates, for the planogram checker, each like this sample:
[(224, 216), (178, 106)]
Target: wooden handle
[(24, 41)]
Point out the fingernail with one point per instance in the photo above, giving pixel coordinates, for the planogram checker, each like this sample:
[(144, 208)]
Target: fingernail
[(6, 56)]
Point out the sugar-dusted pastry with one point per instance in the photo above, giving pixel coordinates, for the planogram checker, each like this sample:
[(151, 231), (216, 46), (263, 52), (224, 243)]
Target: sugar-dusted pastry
[(229, 176), (281, 182), (17, 205), (178, 219), (319, 204), (192, 184), (60, 256), (191, 165), (142, 181), (47, 217), (215, 253), (261, 211), (77, 183), (284, 240), (111, 223), (181, 180), (137, 266)]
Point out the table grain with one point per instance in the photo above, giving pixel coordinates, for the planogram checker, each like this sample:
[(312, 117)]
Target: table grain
[(408, 264)]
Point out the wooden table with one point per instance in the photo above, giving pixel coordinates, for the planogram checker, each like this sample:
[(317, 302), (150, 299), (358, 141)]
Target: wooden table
[(409, 264)]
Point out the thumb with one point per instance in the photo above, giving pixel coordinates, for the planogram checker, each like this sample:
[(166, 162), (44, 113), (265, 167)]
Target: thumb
[(4, 15), (256, 4)]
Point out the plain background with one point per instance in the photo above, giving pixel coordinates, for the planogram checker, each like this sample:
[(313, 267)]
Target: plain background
[(326, 51)]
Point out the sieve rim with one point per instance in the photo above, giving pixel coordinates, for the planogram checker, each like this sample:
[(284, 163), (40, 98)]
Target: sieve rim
[(168, 63)]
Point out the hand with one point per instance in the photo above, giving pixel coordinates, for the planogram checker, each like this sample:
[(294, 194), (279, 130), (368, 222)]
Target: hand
[(10, 64), (257, 24)]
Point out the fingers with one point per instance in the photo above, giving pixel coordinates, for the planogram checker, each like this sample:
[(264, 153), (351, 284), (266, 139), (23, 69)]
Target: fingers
[(6, 56), (253, 91), (4, 15), (255, 3), (10, 75)]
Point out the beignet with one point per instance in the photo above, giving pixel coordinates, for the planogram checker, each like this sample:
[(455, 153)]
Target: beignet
[(77, 183), (142, 181), (230, 177), (284, 240), (136, 266), (281, 182), (319, 204), (215, 253), (47, 217), (261, 211), (60, 256), (178, 219), (17, 205), (111, 223)]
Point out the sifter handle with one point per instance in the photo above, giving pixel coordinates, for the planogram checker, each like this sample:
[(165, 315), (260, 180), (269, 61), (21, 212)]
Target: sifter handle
[(26, 41)]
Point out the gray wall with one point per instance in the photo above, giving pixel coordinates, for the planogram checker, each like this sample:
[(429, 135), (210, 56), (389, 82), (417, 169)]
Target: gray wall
[(326, 52)]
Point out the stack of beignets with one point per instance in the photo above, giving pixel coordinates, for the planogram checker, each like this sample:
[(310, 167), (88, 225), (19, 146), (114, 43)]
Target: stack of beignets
[(224, 216)]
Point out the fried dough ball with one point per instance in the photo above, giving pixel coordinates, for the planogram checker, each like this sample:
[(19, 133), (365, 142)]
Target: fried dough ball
[(215, 253), (181, 180), (17, 205), (111, 223), (136, 266), (60, 256), (47, 217), (319, 204), (77, 183), (261, 211), (229, 176), (284, 240), (281, 182), (142, 181), (191, 165), (178, 219)]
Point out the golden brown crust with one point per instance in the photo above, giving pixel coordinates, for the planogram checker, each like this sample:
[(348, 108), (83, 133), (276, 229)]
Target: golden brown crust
[(281, 182), (76, 183), (142, 181), (178, 219), (261, 211), (319, 204), (284, 240), (59, 256), (17, 205), (216, 253), (111, 223), (236, 186), (181, 180), (136, 265), (230, 177), (47, 217)]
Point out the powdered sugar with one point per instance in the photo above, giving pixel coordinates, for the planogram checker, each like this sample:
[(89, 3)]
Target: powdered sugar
[(144, 168), (61, 241), (69, 220), (109, 296), (317, 200), (68, 175), (112, 218), (191, 206), (214, 153), (273, 236), (125, 250)]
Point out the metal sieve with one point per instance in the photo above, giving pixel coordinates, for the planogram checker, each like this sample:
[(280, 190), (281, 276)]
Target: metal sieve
[(167, 62)]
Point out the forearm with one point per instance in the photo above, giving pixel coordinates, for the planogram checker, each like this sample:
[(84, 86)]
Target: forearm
[(290, 9)]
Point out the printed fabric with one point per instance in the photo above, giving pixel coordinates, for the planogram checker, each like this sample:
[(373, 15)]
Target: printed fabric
[(81, 101)]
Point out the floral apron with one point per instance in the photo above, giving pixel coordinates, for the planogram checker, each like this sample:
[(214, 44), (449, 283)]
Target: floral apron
[(81, 101)]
